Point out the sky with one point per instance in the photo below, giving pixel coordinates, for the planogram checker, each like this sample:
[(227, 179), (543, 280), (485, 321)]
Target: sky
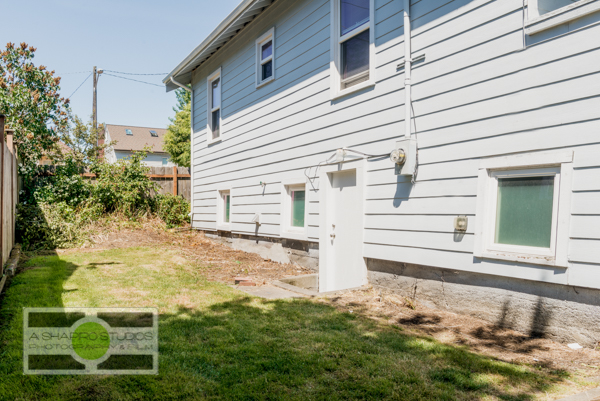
[(133, 36)]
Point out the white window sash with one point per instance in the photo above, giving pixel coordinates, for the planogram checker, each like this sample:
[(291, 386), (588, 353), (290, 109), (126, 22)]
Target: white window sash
[(355, 32), (335, 65), (266, 37), (209, 128), (520, 249)]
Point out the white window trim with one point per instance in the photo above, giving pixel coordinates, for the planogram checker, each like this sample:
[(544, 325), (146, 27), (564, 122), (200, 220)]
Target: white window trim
[(209, 140), (221, 225), (531, 164), (559, 16), (287, 230), (269, 35), (335, 60)]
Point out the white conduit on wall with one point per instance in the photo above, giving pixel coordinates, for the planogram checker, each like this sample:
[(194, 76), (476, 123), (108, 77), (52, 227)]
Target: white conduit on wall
[(407, 71)]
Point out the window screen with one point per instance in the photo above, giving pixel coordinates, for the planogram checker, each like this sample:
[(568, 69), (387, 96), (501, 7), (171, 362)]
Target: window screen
[(524, 211), (354, 42)]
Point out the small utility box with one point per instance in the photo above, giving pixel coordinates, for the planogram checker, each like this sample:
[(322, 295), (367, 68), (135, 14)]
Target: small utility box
[(409, 146)]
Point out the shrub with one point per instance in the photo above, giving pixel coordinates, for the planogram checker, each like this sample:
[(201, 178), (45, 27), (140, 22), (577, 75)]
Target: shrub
[(124, 187), (173, 210), (65, 184), (59, 225)]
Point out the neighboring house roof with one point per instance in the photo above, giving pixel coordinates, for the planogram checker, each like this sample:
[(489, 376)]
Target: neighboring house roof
[(140, 138), (244, 13)]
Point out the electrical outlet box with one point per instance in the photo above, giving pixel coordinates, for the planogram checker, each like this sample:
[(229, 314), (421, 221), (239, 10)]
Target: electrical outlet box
[(410, 149)]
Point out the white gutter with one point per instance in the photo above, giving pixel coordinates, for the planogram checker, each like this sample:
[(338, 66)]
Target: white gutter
[(181, 86), (407, 71)]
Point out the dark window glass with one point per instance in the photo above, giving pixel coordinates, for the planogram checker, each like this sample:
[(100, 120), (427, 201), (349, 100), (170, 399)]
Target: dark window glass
[(267, 70), (216, 93), (267, 49), (153, 133), (216, 123), (355, 55), (354, 13)]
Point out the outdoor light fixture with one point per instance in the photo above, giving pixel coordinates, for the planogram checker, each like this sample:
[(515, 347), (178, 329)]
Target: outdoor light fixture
[(460, 223)]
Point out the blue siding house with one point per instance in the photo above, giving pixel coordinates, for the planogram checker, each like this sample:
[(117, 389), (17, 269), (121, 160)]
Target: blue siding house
[(445, 150)]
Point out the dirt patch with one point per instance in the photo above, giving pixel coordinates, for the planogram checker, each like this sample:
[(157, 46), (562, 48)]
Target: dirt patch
[(218, 262)]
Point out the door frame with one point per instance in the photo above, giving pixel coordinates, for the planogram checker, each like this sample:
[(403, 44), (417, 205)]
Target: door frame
[(325, 205)]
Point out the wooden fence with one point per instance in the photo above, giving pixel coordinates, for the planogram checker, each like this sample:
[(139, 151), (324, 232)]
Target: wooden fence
[(9, 193), (171, 180)]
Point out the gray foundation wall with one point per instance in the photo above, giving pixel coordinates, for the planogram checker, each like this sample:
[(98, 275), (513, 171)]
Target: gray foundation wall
[(281, 250), (563, 313)]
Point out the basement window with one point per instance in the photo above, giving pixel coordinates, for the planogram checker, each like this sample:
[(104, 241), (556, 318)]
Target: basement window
[(265, 58), (522, 210), (214, 107), (294, 211), (353, 47), (224, 210)]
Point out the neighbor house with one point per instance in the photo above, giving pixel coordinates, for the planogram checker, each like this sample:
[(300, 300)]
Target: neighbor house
[(131, 139), (446, 150)]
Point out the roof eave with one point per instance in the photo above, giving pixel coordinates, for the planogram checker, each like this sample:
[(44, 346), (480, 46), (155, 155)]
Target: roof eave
[(186, 77)]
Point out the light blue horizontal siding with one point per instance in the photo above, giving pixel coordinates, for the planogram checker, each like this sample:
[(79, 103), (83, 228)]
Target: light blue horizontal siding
[(478, 94)]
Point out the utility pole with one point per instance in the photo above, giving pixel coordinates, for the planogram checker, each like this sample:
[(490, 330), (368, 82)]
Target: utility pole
[(96, 73), (94, 103)]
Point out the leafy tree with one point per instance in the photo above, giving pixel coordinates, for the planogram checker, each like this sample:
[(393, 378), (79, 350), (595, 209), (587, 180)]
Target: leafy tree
[(82, 138), (29, 97), (177, 140)]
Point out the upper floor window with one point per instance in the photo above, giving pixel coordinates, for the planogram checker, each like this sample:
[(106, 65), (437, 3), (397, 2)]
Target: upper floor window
[(214, 106), (352, 45), (537, 8), (265, 58)]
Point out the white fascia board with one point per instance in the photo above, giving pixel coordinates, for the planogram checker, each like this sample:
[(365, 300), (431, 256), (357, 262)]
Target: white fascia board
[(235, 14)]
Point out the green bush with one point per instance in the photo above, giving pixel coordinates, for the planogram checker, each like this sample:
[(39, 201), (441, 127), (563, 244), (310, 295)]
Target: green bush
[(65, 184), (173, 210), (124, 186), (59, 210), (58, 225)]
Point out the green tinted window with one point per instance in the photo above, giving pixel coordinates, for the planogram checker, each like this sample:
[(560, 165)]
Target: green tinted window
[(524, 211), (298, 205), (227, 208)]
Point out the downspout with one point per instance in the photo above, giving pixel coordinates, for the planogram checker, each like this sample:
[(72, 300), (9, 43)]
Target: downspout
[(407, 71), (191, 149)]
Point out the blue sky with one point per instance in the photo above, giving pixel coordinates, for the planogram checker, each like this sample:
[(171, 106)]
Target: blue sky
[(121, 35)]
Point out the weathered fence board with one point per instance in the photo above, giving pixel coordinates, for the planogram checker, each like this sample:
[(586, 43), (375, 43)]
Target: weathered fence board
[(8, 194)]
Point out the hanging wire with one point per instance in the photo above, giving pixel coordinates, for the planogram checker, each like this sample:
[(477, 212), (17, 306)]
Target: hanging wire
[(131, 73), (130, 79), (88, 77), (70, 73)]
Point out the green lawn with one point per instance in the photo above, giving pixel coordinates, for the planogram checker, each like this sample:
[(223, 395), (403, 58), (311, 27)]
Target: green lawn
[(216, 342)]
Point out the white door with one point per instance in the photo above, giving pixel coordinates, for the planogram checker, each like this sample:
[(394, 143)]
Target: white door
[(344, 266)]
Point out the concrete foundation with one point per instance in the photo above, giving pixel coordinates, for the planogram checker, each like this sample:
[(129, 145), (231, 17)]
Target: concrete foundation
[(281, 250), (563, 313)]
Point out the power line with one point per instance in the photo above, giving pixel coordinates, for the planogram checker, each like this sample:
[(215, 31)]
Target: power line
[(70, 73), (130, 73), (88, 77), (129, 79)]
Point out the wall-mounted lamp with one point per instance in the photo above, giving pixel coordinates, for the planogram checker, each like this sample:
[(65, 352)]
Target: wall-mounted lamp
[(460, 223)]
